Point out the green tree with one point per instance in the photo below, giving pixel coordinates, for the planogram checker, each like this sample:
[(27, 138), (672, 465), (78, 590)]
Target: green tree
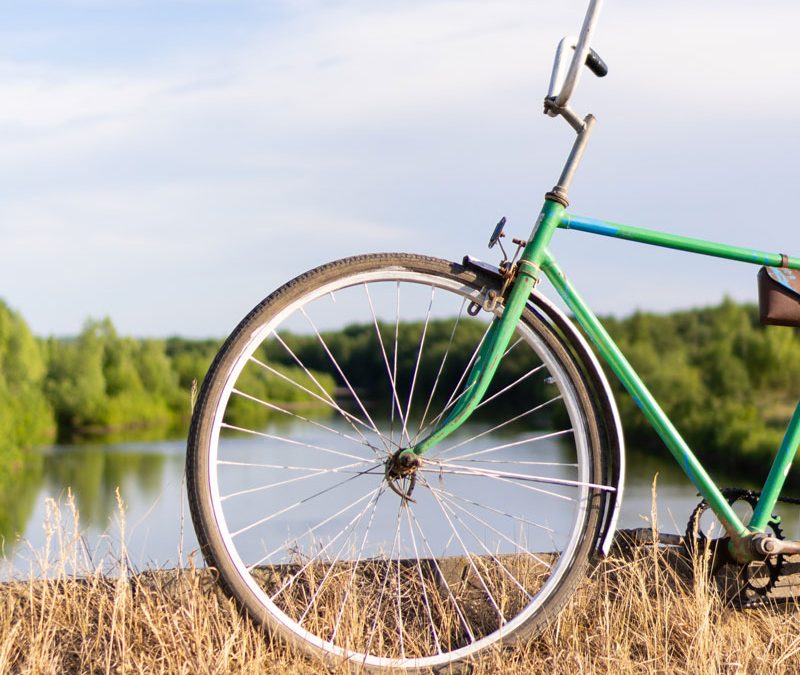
[(25, 415), (26, 420)]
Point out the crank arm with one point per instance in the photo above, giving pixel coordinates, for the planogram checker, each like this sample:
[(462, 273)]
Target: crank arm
[(764, 545)]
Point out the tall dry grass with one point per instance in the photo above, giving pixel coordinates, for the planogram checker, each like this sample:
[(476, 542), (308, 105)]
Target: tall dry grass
[(641, 611)]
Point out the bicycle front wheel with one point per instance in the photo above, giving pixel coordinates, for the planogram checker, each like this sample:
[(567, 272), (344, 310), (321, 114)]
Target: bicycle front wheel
[(288, 460)]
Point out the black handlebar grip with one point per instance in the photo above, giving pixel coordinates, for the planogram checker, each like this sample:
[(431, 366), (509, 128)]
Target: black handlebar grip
[(596, 64)]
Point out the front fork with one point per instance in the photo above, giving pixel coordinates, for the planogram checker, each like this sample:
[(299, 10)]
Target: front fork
[(497, 337)]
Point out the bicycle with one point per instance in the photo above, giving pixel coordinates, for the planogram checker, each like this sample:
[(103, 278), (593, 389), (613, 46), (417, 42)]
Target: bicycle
[(386, 535)]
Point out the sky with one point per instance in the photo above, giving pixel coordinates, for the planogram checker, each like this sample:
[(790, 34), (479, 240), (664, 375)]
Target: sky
[(168, 163)]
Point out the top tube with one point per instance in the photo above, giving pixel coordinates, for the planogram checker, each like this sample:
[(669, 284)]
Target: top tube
[(675, 241)]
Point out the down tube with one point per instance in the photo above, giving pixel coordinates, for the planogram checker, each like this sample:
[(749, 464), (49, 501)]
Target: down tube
[(643, 398)]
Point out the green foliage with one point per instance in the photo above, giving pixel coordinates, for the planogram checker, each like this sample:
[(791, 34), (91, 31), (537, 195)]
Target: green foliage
[(25, 416), (26, 419), (728, 383), (190, 359), (100, 382)]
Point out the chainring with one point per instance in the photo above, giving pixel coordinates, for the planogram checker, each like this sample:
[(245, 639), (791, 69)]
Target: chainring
[(760, 576)]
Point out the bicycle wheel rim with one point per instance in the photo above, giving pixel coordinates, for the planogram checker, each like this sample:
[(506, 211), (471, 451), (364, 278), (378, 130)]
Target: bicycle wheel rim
[(276, 616)]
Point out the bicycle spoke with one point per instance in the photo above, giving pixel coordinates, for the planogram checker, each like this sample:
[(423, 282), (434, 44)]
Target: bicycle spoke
[(404, 432), (311, 530), (469, 558), (293, 506), (269, 486), (295, 576), (514, 580), (352, 419), (516, 544), (522, 378), (355, 564), (344, 377), (521, 462), (332, 564), (395, 399), (319, 425), (457, 469), (396, 345), (503, 446), (302, 365), (500, 478), (441, 368), (291, 441), (435, 563), (535, 408), (403, 506), (453, 398), (452, 401), (286, 467), (486, 507), (385, 580), (426, 599)]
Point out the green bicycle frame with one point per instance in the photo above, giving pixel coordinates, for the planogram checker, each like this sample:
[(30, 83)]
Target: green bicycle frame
[(535, 259)]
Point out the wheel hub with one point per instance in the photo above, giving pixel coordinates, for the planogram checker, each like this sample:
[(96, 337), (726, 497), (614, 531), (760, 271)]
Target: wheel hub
[(401, 473)]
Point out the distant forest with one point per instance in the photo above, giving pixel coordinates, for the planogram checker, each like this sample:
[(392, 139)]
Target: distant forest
[(102, 384), (729, 384)]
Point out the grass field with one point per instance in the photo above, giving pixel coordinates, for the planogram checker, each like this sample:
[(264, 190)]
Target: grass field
[(636, 613)]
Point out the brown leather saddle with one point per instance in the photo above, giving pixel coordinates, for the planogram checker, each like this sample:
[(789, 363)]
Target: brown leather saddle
[(779, 296)]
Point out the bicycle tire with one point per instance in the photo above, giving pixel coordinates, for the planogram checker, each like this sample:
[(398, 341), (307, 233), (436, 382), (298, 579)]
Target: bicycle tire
[(404, 610)]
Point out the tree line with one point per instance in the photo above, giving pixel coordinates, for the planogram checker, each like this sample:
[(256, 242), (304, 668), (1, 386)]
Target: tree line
[(728, 383), (102, 383)]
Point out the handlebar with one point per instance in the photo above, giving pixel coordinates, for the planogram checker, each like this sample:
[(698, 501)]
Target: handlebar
[(596, 64), (562, 83)]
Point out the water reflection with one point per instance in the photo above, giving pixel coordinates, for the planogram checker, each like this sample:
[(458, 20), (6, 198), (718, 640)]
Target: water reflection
[(149, 476), (19, 487), (95, 472)]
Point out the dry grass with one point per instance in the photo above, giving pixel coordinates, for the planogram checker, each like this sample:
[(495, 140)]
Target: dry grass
[(636, 613)]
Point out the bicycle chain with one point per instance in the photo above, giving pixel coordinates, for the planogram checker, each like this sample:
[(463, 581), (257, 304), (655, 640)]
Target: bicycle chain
[(720, 555)]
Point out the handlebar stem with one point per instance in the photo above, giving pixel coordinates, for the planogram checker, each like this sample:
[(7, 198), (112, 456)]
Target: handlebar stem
[(560, 192)]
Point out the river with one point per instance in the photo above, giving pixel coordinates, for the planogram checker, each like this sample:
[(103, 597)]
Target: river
[(148, 476)]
